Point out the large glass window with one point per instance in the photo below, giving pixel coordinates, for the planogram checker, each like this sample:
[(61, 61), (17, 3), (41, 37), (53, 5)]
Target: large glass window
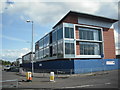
[(54, 36), (50, 37), (69, 32), (46, 52), (90, 34), (59, 34), (46, 40), (41, 53), (36, 46), (41, 44), (87, 48), (54, 50), (60, 49), (69, 48)]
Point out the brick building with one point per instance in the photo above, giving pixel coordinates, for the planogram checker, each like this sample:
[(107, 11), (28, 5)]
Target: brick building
[(78, 36), (79, 43)]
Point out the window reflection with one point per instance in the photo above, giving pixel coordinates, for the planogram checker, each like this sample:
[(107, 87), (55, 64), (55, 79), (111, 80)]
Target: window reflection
[(69, 48), (69, 32), (90, 34), (87, 48)]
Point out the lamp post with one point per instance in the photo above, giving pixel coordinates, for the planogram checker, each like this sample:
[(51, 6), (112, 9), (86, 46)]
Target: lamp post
[(32, 48)]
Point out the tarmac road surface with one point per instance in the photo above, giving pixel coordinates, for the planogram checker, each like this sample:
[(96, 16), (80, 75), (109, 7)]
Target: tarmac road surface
[(101, 80)]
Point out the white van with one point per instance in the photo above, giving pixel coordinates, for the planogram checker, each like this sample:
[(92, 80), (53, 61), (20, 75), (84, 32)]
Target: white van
[(7, 67)]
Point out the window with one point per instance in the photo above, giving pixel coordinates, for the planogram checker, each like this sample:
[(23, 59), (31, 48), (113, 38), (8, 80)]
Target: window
[(87, 48), (60, 49), (41, 53), (51, 51), (37, 46), (46, 40), (90, 34), (46, 52), (36, 55), (59, 34), (69, 32), (54, 36), (41, 44), (54, 50), (69, 48), (50, 38)]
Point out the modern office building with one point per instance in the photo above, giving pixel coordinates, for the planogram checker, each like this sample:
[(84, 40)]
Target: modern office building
[(78, 36), (79, 43)]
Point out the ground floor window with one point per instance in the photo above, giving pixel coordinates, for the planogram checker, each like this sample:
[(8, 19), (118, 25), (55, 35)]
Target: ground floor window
[(87, 48)]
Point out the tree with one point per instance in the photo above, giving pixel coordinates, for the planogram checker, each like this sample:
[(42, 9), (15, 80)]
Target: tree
[(3, 62)]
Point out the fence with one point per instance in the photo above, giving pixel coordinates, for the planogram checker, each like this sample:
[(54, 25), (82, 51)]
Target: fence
[(9, 83), (59, 72)]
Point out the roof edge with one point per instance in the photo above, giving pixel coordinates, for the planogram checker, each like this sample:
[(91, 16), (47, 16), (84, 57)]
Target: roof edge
[(87, 15)]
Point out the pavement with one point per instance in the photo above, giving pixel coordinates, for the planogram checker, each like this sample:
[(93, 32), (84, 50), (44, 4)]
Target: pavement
[(23, 73), (108, 79)]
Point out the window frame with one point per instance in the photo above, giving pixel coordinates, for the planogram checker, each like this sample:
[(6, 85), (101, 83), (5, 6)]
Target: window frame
[(101, 42), (85, 32)]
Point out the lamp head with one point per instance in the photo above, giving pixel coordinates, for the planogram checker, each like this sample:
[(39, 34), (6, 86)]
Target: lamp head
[(28, 21)]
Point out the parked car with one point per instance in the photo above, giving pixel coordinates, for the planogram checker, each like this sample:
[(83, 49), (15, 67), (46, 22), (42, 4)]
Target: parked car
[(7, 67), (14, 69)]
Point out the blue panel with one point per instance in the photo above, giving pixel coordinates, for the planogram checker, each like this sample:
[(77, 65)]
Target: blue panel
[(79, 66), (85, 66), (27, 65), (60, 64)]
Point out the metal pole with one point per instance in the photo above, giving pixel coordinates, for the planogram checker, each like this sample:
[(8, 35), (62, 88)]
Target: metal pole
[(32, 51)]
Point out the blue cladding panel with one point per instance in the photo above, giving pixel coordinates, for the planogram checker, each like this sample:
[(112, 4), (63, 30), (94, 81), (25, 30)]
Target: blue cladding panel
[(85, 66), (27, 65), (61, 64), (79, 66)]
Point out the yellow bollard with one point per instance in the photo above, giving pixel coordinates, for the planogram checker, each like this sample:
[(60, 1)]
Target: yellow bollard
[(51, 76), (29, 76)]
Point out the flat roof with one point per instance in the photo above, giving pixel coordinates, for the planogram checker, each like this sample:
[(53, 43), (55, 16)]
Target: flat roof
[(86, 15), (28, 54)]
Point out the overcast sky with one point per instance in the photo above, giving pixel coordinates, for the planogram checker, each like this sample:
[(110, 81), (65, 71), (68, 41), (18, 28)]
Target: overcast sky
[(16, 33)]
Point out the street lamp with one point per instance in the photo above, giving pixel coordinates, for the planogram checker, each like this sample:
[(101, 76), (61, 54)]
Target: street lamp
[(32, 47)]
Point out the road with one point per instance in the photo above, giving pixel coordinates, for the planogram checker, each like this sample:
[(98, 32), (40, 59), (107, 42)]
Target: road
[(102, 80)]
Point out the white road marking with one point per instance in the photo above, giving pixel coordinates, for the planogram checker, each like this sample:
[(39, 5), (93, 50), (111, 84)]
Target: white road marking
[(80, 86), (87, 85), (107, 83)]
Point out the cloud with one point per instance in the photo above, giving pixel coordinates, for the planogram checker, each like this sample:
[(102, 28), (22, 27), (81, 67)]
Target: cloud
[(50, 12), (12, 55), (12, 38), (47, 13)]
